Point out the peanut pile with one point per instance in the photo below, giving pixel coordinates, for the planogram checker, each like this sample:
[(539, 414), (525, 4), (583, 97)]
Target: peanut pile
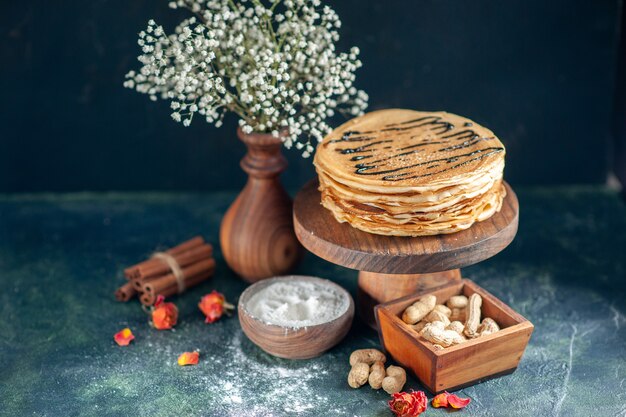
[(451, 324), (368, 365)]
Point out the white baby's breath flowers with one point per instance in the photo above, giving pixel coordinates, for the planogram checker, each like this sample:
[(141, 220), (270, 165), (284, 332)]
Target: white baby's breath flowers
[(274, 64)]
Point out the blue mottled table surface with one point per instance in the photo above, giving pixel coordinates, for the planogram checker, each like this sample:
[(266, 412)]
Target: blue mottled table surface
[(61, 258)]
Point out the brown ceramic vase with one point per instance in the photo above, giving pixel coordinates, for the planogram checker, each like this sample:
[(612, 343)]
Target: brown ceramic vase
[(256, 234)]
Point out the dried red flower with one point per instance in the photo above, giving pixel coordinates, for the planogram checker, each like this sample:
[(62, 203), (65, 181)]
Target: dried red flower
[(188, 358), (213, 312), (404, 404), (213, 297), (124, 337), (446, 399), (213, 305), (164, 315), (440, 400), (457, 402)]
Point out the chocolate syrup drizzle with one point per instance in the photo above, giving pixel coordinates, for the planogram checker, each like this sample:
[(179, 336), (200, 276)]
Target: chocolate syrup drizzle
[(362, 148), (444, 136)]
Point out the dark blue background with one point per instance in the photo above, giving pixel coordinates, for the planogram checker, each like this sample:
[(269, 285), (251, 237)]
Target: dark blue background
[(541, 74)]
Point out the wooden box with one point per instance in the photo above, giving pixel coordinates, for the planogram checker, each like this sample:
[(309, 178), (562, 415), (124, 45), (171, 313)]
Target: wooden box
[(461, 365)]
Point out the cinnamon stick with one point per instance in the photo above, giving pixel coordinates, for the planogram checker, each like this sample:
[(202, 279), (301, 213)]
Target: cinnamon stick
[(125, 292), (167, 287), (156, 285), (187, 245), (139, 282), (172, 288), (183, 259), (149, 298), (139, 270)]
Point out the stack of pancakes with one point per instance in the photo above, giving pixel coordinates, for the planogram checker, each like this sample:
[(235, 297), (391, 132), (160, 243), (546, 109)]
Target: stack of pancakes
[(409, 173)]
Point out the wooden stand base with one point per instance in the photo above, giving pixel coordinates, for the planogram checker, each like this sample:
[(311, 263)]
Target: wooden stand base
[(376, 288)]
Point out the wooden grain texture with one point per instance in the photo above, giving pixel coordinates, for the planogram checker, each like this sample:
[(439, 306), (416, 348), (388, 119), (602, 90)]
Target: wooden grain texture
[(344, 245), (294, 343), (459, 365), (256, 234)]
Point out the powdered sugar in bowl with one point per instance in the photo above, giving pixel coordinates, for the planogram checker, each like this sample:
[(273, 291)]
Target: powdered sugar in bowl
[(295, 317)]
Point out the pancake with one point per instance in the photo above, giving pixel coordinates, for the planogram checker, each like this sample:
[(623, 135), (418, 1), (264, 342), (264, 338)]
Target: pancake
[(405, 148), (429, 201), (417, 224), (409, 173)]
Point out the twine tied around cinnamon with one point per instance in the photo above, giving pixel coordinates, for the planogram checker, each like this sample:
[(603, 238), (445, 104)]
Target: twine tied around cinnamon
[(168, 272), (174, 266)]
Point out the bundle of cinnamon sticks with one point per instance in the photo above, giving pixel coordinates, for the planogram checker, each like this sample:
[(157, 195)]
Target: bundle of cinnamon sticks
[(169, 272)]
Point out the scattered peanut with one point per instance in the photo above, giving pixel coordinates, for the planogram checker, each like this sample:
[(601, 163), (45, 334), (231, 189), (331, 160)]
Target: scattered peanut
[(437, 324), (451, 323), (457, 326), (437, 315), (457, 301), (443, 309), (473, 316), (368, 356), (458, 314), (436, 333), (358, 374), (488, 326), (368, 365), (420, 309), (377, 374), (395, 379)]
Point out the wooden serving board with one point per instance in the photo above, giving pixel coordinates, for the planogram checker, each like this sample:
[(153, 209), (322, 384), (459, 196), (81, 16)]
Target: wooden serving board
[(341, 244)]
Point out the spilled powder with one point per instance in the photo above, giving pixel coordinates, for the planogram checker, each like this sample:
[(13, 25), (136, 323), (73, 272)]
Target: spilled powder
[(296, 303), (253, 384)]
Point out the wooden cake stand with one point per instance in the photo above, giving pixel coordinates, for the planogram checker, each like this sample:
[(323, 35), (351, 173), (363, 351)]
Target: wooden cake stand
[(391, 267)]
